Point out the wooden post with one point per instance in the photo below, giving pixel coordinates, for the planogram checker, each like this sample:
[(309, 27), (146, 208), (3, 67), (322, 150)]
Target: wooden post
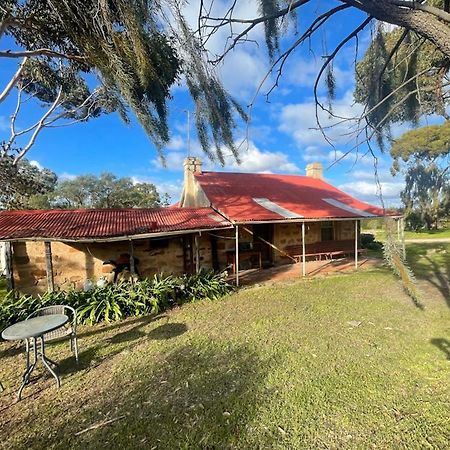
[(236, 262), (398, 230), (356, 244), (9, 266), (303, 250), (197, 254), (132, 261), (49, 266)]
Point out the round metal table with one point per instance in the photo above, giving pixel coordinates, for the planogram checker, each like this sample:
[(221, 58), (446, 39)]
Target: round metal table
[(34, 330)]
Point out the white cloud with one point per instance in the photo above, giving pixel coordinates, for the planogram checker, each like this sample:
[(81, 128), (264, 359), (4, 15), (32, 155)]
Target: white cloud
[(66, 176), (255, 160), (389, 190), (242, 73), (299, 121), (303, 72), (36, 164), (252, 160), (177, 142)]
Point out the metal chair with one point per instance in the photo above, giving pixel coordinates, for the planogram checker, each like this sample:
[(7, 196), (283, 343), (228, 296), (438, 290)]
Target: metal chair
[(70, 329)]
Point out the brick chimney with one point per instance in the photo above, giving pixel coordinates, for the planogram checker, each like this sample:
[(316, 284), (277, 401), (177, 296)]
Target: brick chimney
[(192, 165), (192, 194), (314, 170)]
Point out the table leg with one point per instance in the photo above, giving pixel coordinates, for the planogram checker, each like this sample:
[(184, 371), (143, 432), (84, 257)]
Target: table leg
[(46, 362), (29, 369)]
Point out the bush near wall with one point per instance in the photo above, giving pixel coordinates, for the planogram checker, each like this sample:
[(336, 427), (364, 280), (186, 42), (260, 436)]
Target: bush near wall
[(117, 301)]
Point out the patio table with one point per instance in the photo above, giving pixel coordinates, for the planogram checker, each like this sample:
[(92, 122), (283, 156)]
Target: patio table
[(34, 329)]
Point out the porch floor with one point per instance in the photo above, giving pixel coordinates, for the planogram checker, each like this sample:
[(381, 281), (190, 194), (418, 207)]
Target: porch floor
[(288, 272)]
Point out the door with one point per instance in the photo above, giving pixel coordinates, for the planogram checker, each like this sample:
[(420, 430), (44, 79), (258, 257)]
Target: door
[(188, 254), (263, 231)]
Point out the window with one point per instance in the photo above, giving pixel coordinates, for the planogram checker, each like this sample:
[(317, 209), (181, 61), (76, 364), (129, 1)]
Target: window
[(159, 243), (327, 231)]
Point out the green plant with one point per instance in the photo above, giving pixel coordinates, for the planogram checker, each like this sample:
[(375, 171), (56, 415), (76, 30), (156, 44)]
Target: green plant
[(116, 301), (205, 284)]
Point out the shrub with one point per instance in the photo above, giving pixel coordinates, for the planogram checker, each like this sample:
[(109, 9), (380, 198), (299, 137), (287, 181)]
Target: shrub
[(117, 301), (368, 241)]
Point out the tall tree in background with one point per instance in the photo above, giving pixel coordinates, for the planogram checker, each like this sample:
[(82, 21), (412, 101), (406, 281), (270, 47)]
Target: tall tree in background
[(26, 186), (423, 155), (105, 191), (426, 196)]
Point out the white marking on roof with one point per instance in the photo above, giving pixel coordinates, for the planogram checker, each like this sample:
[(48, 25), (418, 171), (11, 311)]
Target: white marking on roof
[(217, 218), (271, 206), (348, 208)]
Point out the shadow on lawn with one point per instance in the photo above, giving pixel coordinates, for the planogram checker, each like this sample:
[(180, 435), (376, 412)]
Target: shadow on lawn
[(430, 271), (199, 396), (96, 352), (443, 345)]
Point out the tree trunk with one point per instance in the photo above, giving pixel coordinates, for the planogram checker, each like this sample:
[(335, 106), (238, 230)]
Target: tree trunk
[(423, 23)]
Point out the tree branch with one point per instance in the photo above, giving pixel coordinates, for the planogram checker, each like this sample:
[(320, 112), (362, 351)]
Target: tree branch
[(41, 52), (39, 127), (13, 80)]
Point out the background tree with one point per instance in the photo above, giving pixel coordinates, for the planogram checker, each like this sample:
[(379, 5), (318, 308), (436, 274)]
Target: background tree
[(426, 196), (422, 154), (105, 191), (25, 186)]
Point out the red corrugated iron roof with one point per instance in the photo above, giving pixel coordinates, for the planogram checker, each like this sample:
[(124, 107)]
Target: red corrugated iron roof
[(92, 224), (246, 197)]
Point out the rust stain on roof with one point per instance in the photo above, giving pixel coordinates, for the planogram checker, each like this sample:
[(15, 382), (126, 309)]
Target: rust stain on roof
[(234, 194), (105, 223)]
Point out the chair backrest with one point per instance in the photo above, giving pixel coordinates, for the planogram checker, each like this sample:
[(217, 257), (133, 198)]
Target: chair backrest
[(57, 309)]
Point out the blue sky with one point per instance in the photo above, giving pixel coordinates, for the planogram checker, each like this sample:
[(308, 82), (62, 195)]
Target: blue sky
[(282, 138)]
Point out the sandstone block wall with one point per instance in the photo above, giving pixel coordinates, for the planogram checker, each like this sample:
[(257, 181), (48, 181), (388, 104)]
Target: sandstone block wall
[(74, 263)]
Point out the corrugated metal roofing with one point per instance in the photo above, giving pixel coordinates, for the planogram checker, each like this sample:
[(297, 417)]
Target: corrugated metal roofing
[(85, 224), (246, 197)]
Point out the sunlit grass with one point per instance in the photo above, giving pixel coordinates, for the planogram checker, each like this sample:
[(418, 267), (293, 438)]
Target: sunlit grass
[(338, 362)]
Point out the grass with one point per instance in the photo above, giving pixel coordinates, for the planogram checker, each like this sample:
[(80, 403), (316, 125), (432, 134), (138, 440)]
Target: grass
[(336, 362), (380, 234)]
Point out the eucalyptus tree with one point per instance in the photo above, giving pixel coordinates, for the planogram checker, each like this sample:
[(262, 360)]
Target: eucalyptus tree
[(423, 156), (84, 58)]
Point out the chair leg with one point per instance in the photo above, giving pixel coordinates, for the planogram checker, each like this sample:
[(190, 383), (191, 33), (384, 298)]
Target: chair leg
[(74, 343)]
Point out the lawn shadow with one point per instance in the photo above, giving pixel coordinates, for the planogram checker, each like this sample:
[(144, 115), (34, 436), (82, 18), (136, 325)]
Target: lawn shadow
[(141, 321), (200, 396), (168, 331), (94, 354), (430, 271), (443, 345)]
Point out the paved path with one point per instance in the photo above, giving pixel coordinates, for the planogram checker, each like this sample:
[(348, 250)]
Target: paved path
[(430, 240)]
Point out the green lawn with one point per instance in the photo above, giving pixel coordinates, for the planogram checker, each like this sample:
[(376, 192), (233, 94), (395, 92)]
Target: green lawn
[(432, 234), (336, 362)]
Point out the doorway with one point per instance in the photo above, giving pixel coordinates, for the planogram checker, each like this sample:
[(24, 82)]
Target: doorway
[(263, 231)]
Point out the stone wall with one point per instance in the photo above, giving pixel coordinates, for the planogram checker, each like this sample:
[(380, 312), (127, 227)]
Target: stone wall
[(74, 263)]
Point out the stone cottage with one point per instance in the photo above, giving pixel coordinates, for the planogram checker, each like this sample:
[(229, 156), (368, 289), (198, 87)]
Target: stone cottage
[(224, 220)]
